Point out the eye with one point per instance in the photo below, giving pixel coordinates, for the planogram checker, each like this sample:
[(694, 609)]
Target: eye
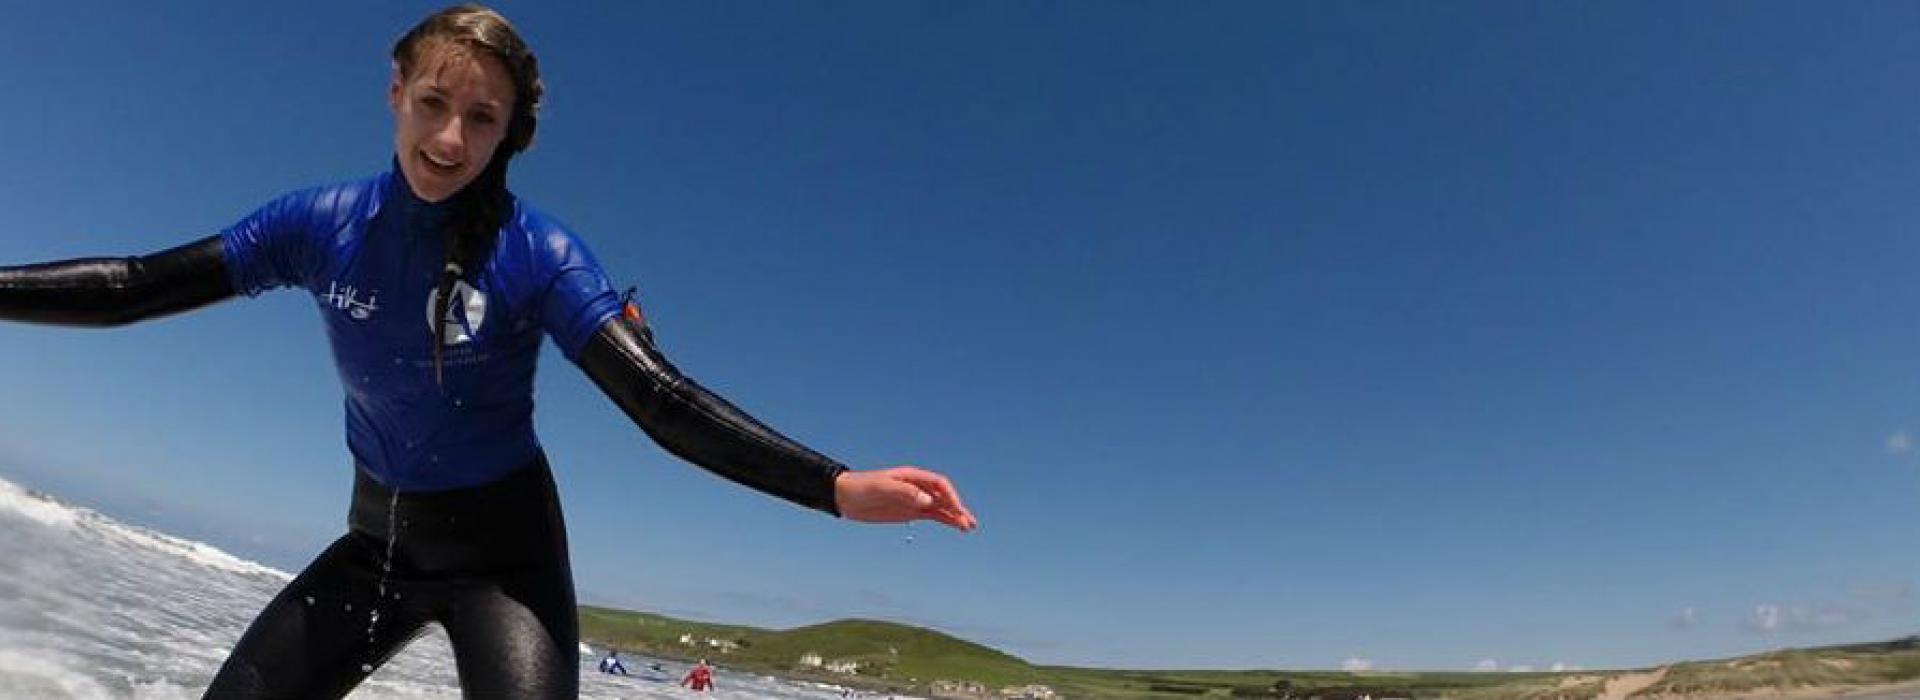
[(483, 118), (433, 102)]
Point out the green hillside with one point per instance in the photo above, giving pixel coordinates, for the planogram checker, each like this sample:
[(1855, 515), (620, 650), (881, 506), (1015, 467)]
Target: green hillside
[(904, 658), (889, 654), (654, 634), (897, 651)]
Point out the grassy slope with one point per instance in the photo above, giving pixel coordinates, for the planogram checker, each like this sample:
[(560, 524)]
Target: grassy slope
[(908, 658), (902, 651), (651, 633), (1852, 664)]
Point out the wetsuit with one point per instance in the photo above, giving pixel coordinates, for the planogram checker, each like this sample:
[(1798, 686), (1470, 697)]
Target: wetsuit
[(454, 516), (699, 679), (612, 664)]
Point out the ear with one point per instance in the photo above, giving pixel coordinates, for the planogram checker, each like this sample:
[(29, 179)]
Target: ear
[(394, 88)]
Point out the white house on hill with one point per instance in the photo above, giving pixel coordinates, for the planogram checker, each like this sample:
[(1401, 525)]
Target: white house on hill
[(847, 667)]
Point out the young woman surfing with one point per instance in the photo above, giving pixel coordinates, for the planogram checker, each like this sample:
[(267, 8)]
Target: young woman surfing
[(435, 284)]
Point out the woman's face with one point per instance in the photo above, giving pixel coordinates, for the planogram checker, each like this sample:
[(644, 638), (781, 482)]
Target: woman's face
[(448, 116)]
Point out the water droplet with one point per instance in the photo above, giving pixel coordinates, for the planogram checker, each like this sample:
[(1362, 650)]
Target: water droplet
[(386, 569), (366, 668), (457, 403), (349, 607), (309, 600)]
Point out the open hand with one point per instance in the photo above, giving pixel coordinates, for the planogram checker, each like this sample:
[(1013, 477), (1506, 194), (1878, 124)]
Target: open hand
[(899, 495)]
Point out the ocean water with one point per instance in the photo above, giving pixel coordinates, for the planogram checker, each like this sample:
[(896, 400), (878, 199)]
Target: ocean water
[(94, 608)]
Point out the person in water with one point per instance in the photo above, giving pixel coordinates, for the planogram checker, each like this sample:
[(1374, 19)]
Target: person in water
[(700, 678), (612, 664), (454, 518)]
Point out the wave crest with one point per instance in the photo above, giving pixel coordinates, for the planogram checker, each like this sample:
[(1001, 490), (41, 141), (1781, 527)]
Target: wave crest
[(50, 512)]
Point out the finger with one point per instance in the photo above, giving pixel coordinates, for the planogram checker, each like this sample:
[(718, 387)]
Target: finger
[(946, 518), (906, 494), (957, 517), (960, 510), (934, 497), (962, 519), (949, 498), (939, 485)]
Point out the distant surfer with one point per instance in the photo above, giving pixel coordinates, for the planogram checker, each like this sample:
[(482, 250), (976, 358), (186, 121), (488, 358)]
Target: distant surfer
[(700, 678), (452, 488), (612, 664)]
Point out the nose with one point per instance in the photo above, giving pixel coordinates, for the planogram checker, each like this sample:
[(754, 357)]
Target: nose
[(450, 133)]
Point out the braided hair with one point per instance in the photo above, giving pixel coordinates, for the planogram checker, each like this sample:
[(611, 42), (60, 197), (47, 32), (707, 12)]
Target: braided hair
[(480, 208)]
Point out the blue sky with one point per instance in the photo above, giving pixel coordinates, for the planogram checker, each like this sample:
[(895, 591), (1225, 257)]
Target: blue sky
[(1284, 335)]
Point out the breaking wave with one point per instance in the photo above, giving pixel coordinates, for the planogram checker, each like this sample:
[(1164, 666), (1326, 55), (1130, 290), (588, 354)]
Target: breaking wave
[(91, 607)]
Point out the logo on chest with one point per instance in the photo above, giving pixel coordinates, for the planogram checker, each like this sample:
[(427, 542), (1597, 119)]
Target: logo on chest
[(464, 316), (344, 297)]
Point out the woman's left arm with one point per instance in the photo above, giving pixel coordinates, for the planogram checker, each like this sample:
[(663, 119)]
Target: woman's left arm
[(700, 427)]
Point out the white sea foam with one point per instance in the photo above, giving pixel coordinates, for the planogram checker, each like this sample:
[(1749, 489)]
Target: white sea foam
[(92, 608), (26, 674), (196, 552), (161, 690), (50, 512), (41, 509)]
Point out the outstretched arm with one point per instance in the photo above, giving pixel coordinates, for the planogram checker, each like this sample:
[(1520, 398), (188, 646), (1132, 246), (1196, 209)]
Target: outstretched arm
[(103, 292), (700, 427)]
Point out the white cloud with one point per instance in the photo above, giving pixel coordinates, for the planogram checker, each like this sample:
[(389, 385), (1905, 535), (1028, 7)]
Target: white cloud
[(1686, 618), (1771, 619), (1355, 663), (1487, 665), (1522, 668), (1562, 666), (1899, 443)]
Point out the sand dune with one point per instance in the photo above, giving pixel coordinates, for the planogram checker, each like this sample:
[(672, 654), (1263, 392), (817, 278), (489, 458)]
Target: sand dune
[(1625, 685)]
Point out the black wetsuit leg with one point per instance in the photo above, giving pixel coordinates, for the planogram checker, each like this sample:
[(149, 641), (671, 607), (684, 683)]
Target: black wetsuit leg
[(517, 638), (488, 563), (313, 640)]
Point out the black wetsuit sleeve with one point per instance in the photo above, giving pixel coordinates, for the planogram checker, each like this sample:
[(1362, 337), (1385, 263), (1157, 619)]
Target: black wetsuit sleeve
[(700, 427), (104, 292)]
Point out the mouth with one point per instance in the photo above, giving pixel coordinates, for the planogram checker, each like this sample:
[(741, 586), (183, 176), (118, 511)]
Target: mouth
[(440, 166)]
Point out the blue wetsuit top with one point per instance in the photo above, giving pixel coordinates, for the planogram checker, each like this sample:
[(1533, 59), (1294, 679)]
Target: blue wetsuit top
[(369, 251)]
